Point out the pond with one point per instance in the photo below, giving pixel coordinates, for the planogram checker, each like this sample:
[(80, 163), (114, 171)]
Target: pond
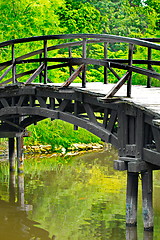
[(70, 198)]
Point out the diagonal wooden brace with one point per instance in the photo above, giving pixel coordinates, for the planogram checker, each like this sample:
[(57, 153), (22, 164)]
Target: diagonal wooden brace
[(117, 86), (73, 76)]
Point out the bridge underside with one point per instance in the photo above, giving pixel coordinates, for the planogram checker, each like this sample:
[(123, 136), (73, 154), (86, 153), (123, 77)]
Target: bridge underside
[(134, 131)]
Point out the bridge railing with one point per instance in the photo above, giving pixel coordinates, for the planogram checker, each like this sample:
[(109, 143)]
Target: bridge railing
[(44, 62)]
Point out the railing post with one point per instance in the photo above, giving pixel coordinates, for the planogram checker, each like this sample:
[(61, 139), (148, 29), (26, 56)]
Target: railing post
[(130, 60), (149, 66), (40, 76), (70, 55), (45, 62), (14, 66), (105, 68), (84, 53)]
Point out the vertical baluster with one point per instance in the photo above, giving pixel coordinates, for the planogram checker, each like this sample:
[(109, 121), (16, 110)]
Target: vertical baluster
[(14, 66), (130, 60), (45, 61), (70, 55), (149, 67), (105, 68), (40, 75), (84, 52)]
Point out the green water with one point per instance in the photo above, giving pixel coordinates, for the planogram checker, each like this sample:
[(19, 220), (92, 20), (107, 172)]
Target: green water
[(78, 198)]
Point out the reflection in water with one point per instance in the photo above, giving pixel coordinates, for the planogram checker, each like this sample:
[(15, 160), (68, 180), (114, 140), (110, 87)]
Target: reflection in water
[(131, 234), (14, 222), (80, 198)]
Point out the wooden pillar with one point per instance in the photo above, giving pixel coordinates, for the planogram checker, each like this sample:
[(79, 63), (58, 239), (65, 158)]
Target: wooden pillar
[(20, 166), (131, 199), (11, 146), (147, 189)]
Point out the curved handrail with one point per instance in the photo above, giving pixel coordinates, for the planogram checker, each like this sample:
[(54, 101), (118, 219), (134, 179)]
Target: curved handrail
[(81, 40), (102, 37)]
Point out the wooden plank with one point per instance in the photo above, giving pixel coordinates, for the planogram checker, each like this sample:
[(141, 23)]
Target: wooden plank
[(72, 77), (151, 156)]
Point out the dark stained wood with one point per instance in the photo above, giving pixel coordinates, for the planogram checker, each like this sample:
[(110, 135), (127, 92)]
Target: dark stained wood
[(131, 124), (117, 86), (131, 201), (73, 76), (36, 73)]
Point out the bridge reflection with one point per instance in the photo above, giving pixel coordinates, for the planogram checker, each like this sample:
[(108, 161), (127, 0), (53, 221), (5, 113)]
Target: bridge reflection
[(14, 221), (131, 234)]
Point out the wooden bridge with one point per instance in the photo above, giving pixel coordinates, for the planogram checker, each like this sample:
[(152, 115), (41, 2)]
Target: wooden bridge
[(121, 114)]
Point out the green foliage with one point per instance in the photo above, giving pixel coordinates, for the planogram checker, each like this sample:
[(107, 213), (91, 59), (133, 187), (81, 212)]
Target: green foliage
[(58, 133), (81, 18), (134, 18)]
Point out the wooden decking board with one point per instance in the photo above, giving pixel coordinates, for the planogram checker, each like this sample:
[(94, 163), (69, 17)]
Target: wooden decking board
[(148, 98)]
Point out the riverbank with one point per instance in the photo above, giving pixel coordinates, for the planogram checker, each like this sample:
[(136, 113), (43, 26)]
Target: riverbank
[(74, 149)]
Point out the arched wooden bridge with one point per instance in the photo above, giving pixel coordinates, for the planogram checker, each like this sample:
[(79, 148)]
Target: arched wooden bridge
[(121, 114)]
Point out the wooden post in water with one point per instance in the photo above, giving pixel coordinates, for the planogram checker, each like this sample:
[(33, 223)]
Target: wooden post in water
[(20, 166), (11, 147), (147, 188), (131, 199), (21, 190)]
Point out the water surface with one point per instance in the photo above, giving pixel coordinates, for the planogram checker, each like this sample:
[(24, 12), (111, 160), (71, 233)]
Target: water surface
[(70, 198)]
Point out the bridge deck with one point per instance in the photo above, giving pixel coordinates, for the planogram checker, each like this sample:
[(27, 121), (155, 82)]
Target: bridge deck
[(145, 98)]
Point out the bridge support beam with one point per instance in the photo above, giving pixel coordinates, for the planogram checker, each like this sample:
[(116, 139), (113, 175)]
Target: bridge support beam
[(11, 148), (20, 162), (147, 182), (131, 199)]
